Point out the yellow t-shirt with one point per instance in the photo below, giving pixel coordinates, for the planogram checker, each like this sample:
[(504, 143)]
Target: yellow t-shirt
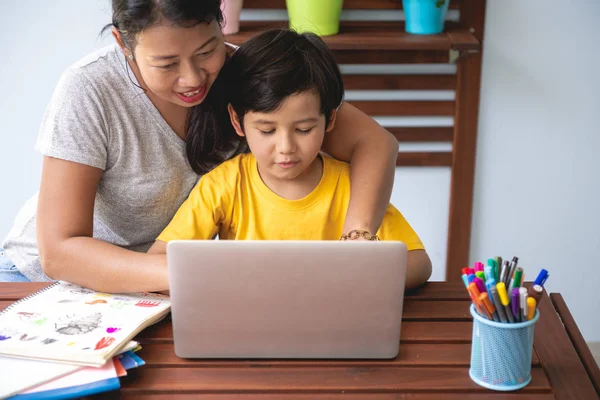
[(233, 202)]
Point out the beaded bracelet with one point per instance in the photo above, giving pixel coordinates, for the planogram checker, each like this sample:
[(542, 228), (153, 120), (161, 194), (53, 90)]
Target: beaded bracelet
[(355, 234)]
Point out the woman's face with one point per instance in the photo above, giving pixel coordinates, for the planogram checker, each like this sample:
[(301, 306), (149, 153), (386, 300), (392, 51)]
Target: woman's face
[(178, 64)]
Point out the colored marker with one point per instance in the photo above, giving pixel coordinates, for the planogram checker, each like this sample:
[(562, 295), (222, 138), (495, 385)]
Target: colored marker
[(498, 303), (489, 307), (515, 305), (531, 305), (523, 303), (516, 281), (478, 266), (504, 271), (511, 272), (498, 261), (541, 278), (480, 285), (465, 280), (536, 291), (492, 263), (488, 284), (475, 297), (501, 287), (489, 272), (480, 275)]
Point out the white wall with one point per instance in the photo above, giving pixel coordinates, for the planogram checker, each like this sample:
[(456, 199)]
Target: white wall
[(38, 42), (538, 159)]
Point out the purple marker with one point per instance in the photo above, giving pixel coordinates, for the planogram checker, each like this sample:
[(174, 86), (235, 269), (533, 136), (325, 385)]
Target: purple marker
[(480, 285), (514, 304)]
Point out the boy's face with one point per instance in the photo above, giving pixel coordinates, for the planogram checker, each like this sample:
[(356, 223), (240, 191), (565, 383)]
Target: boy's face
[(286, 142)]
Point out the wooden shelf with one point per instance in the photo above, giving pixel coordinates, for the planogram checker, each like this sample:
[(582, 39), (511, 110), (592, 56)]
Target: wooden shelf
[(358, 37), (348, 4)]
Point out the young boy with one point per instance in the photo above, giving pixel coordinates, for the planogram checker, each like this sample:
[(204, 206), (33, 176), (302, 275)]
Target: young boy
[(284, 88)]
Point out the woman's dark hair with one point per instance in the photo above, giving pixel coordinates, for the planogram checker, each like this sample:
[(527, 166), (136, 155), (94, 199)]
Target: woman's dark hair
[(130, 17), (260, 75)]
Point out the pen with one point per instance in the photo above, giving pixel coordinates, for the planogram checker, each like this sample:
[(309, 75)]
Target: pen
[(489, 284), (523, 303), (531, 305), (470, 277), (475, 297), (480, 285), (478, 266), (488, 306), (513, 267), (514, 304), (465, 280), (516, 281), (480, 275), (498, 303), (498, 261), (489, 273), (541, 278), (492, 263), (501, 287), (504, 271)]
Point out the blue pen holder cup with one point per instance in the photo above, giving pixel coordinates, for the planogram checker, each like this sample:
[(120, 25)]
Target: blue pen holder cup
[(501, 353)]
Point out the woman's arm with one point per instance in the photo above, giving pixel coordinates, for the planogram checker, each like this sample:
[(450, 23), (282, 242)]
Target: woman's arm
[(64, 233), (372, 153)]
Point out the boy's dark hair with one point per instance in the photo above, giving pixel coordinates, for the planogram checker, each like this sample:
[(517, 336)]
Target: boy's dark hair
[(260, 75), (130, 17)]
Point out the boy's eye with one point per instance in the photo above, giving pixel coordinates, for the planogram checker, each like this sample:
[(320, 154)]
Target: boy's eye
[(304, 131), (267, 132)]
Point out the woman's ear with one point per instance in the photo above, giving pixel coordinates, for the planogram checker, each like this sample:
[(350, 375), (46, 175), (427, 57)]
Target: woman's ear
[(235, 121), (331, 122), (117, 35)]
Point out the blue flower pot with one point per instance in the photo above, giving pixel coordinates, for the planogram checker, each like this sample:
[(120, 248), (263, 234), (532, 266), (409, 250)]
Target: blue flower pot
[(424, 17)]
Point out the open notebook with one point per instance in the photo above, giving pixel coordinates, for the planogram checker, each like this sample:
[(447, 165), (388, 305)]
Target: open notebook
[(67, 323)]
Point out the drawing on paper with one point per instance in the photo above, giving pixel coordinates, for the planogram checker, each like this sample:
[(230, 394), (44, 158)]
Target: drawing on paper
[(48, 341), (104, 342), (147, 303), (26, 338), (77, 324), (97, 301), (74, 289), (112, 330)]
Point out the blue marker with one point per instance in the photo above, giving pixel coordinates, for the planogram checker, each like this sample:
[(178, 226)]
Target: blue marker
[(488, 284), (541, 278)]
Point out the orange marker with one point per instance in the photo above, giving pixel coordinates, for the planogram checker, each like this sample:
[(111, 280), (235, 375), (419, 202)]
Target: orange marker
[(474, 292), (487, 305)]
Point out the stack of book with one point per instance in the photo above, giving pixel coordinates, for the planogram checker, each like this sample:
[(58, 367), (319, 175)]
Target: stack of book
[(66, 341)]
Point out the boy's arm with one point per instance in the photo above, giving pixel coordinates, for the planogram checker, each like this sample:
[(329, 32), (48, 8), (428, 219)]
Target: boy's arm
[(418, 268), (418, 264)]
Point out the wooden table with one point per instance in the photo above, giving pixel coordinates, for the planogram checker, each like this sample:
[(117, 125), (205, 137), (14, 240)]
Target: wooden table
[(433, 362)]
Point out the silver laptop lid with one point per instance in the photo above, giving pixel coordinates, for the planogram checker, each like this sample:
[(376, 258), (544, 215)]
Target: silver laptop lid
[(286, 299)]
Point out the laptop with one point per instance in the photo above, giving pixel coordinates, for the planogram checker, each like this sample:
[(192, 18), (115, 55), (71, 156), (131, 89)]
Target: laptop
[(286, 299)]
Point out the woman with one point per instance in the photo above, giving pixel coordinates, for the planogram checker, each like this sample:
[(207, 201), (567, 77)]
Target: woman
[(115, 168)]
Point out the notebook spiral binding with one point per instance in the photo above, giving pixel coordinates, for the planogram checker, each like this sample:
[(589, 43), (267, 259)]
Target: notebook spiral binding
[(7, 309)]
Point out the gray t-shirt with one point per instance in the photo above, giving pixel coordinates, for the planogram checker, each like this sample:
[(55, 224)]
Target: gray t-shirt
[(99, 117)]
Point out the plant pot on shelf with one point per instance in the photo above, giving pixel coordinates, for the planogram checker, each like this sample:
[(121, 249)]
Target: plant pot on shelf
[(321, 17), (231, 15), (425, 17)]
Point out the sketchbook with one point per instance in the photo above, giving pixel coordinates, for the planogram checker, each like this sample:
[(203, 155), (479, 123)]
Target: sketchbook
[(68, 323)]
